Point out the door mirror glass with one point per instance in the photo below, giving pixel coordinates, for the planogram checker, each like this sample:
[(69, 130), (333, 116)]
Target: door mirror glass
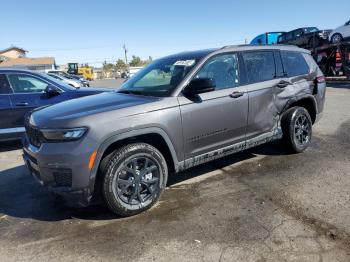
[(51, 91), (199, 86)]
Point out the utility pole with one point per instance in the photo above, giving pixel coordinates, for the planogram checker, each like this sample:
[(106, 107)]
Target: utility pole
[(125, 53)]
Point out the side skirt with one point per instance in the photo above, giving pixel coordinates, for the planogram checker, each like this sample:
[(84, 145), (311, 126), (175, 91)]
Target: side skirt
[(261, 139)]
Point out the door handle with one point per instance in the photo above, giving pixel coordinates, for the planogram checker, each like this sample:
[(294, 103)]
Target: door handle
[(283, 84), (236, 94), (22, 104)]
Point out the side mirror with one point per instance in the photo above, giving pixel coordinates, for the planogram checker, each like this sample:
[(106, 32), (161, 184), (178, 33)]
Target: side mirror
[(199, 86), (51, 91)]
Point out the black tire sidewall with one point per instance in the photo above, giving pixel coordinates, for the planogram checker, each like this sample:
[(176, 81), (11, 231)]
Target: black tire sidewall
[(337, 34), (116, 204), (293, 115)]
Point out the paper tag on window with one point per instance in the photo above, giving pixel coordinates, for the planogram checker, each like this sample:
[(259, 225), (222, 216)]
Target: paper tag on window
[(185, 63)]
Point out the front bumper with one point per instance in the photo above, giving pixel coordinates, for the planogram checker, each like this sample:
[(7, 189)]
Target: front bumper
[(61, 167)]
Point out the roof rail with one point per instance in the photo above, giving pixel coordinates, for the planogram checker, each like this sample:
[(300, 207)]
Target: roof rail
[(229, 46)]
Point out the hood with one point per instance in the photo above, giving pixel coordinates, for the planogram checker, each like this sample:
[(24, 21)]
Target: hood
[(71, 110)]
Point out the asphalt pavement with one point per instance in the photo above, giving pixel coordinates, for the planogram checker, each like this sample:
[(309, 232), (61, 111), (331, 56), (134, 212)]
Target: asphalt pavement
[(259, 205)]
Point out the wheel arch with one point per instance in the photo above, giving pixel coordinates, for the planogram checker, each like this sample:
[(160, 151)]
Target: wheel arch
[(154, 136), (308, 102)]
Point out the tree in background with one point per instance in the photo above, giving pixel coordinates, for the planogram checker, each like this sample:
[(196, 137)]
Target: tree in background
[(136, 61), (149, 60), (107, 67), (121, 65)]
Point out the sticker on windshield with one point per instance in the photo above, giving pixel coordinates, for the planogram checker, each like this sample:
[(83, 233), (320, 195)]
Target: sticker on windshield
[(185, 63)]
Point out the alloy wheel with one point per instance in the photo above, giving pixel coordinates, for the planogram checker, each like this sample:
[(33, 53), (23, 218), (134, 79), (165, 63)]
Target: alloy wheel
[(302, 130), (137, 181), (337, 39)]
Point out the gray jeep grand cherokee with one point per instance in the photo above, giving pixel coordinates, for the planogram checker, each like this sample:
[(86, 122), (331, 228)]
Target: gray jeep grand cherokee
[(178, 112)]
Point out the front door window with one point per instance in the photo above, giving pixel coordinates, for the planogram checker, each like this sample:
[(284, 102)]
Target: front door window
[(22, 84)]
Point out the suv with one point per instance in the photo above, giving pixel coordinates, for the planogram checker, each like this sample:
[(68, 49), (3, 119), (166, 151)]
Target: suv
[(178, 112), (308, 37)]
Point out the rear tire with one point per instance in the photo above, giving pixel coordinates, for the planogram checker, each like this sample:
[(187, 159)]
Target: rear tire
[(336, 38), (297, 129), (134, 178)]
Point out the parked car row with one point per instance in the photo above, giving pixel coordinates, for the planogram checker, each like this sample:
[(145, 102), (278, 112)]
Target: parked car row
[(22, 91), (73, 80)]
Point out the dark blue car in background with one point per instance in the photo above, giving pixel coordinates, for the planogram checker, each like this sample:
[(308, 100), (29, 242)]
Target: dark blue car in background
[(22, 91)]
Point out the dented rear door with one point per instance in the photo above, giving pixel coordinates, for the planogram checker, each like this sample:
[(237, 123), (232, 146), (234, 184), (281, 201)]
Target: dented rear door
[(268, 91)]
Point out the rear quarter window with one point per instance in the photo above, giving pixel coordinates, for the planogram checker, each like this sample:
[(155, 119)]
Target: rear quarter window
[(4, 85), (294, 63)]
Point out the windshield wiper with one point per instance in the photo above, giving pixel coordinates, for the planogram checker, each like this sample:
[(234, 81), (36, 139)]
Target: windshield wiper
[(133, 92)]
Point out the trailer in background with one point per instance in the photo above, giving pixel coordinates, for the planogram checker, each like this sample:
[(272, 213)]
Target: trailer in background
[(333, 60)]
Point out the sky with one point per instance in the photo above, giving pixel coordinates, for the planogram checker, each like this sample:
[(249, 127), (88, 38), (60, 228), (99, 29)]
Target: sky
[(95, 31)]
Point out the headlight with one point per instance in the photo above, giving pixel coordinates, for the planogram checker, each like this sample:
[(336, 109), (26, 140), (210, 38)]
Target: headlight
[(61, 135)]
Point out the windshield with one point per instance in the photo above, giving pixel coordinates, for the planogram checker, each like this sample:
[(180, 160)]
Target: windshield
[(64, 74), (56, 81), (311, 29), (159, 78)]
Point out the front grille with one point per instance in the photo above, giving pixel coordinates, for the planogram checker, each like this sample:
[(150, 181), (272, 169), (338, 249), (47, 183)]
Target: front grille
[(34, 135), (63, 177)]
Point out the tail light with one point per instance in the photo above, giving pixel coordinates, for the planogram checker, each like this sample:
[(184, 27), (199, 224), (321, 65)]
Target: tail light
[(337, 56), (320, 79)]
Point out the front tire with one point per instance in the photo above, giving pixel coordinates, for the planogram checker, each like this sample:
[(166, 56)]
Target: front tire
[(134, 178), (297, 129)]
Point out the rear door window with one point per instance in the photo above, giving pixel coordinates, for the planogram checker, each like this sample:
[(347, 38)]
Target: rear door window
[(260, 66), (4, 85), (294, 63), (298, 33), (281, 38)]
